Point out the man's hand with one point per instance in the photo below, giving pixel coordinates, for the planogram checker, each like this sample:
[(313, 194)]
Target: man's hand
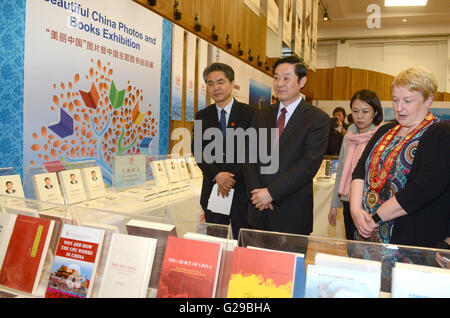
[(225, 183), (262, 199)]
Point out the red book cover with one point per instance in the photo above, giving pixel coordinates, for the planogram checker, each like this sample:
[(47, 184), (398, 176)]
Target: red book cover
[(257, 273), (190, 269), (26, 253)]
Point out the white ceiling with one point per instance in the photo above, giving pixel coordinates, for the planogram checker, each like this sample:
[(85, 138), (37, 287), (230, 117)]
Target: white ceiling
[(349, 20)]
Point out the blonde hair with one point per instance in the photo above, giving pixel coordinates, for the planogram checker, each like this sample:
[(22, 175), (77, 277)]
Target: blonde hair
[(417, 79)]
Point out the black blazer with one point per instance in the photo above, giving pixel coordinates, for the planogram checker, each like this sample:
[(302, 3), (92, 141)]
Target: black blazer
[(302, 146), (426, 195), (240, 117)]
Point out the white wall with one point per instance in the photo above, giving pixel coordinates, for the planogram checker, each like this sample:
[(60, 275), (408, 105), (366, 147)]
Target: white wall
[(390, 56)]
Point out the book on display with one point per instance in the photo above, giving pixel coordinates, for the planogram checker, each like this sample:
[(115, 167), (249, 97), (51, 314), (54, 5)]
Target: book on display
[(348, 263), (259, 273), (6, 227), (226, 258), (46, 187), (72, 185), (334, 282), (128, 267), (26, 252), (159, 173), (75, 264), (190, 269), (93, 181), (420, 281), (159, 231), (194, 169), (172, 170), (11, 185), (184, 172), (299, 278)]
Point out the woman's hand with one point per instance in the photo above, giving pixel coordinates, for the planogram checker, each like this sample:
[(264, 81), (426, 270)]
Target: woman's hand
[(332, 216), (362, 219)]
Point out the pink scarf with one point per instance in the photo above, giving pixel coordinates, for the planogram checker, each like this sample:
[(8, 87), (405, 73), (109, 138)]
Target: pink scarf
[(355, 147)]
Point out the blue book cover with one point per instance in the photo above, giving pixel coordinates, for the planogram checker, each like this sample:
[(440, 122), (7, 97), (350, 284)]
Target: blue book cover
[(299, 278)]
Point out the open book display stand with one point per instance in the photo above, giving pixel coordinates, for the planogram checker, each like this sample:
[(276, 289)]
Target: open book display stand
[(176, 254)]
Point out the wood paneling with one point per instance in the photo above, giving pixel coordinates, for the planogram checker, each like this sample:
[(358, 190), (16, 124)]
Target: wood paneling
[(230, 17), (341, 83)]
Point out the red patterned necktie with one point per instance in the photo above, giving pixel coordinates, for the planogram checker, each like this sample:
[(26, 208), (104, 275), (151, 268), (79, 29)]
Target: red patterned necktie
[(280, 121)]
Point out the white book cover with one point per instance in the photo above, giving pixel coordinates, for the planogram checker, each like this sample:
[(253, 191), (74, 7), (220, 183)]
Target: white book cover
[(75, 264), (11, 185), (334, 282), (348, 263), (159, 172), (46, 187), (128, 267), (72, 185), (172, 170), (6, 227), (93, 181), (184, 172), (419, 281), (194, 169)]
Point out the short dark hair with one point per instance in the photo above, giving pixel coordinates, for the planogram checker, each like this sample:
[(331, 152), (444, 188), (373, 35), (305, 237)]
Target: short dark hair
[(300, 68), (226, 69), (371, 98), (340, 109)]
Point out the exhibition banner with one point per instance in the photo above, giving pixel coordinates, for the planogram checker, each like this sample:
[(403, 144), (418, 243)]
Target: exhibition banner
[(202, 64), (252, 87), (272, 15), (288, 10), (191, 48), (315, 21), (92, 73), (298, 27), (307, 36), (177, 72)]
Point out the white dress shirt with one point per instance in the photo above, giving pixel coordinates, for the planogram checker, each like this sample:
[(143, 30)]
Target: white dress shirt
[(289, 109)]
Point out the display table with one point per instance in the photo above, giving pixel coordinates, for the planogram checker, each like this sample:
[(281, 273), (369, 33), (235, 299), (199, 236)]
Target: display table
[(386, 255)]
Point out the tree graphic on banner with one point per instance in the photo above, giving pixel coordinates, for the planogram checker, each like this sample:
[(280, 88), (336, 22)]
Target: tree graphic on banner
[(96, 122)]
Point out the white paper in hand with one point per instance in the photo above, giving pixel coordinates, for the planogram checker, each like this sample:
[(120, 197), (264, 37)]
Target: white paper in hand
[(219, 204)]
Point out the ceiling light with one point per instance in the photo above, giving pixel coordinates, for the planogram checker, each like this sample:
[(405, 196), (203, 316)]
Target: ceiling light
[(404, 20), (404, 3), (325, 15)]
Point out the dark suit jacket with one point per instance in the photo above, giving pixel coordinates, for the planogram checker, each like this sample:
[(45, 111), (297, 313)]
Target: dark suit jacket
[(240, 117), (302, 146)]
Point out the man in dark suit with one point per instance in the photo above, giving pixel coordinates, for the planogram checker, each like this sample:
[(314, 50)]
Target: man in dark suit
[(226, 114), (282, 200)]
